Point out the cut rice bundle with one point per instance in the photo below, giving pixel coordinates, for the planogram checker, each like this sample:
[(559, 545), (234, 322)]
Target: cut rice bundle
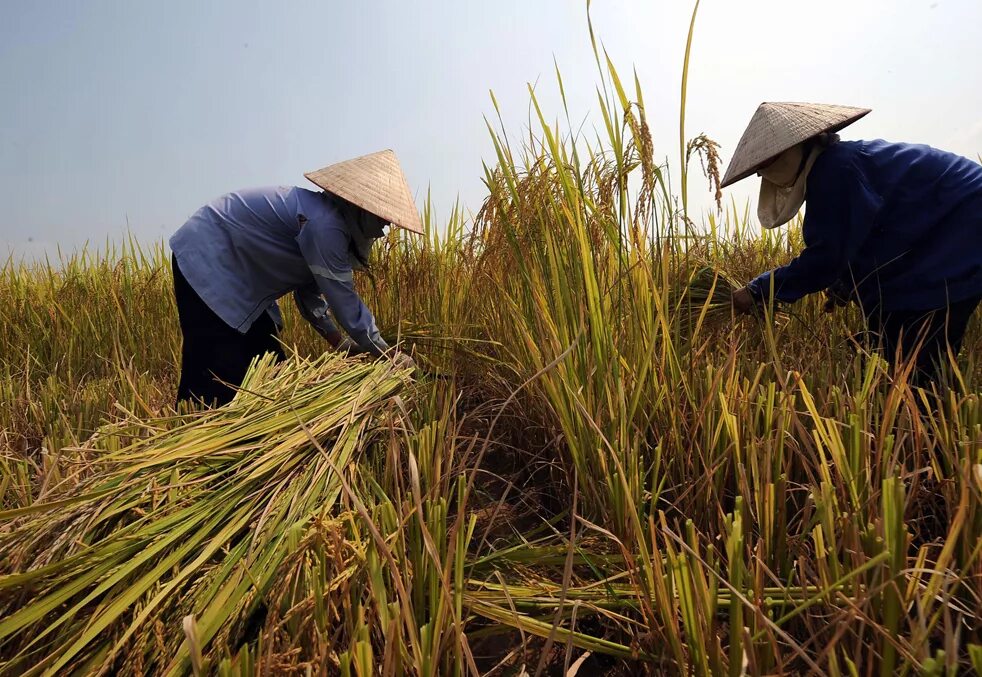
[(193, 518), (707, 298)]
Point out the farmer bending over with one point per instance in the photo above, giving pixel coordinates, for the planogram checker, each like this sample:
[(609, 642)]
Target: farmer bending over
[(237, 255), (895, 227)]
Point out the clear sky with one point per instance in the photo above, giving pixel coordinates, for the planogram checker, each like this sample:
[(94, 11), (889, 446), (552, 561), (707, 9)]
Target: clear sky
[(119, 114)]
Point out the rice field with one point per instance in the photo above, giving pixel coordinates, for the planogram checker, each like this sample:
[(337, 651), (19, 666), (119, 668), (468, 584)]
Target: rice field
[(598, 469)]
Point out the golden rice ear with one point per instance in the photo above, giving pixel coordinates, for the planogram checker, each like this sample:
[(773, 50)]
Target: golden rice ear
[(775, 127), (375, 183)]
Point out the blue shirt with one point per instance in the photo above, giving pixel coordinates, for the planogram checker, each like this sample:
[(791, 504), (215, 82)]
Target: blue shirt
[(898, 225), (244, 250)]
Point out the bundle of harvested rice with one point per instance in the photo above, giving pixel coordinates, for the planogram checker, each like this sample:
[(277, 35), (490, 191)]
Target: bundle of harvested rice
[(193, 518), (706, 298)]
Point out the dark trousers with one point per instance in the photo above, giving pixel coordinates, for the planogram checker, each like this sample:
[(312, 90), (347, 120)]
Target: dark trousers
[(924, 336), (213, 352)]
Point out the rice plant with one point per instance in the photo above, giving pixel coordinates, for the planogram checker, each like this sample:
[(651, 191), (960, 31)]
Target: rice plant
[(597, 468)]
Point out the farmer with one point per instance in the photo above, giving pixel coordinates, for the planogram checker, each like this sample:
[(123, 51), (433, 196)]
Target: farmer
[(237, 255), (894, 227)]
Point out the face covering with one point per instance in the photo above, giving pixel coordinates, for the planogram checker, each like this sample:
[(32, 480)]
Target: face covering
[(783, 171), (364, 228), (783, 182)]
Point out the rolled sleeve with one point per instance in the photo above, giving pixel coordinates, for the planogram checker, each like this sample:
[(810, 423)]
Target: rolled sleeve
[(325, 250), (840, 214)]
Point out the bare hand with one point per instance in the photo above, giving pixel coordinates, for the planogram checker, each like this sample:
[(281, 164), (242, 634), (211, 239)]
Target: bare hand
[(743, 300)]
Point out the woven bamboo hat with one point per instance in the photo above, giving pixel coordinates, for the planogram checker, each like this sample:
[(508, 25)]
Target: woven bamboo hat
[(775, 127), (376, 184)]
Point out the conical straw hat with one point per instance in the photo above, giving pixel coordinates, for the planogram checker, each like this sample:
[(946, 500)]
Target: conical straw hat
[(775, 127), (376, 184)]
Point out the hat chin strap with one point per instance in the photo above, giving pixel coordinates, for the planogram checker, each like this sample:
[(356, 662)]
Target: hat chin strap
[(778, 204)]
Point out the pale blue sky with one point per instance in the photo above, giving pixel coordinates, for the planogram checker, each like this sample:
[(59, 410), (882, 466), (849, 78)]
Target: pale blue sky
[(128, 111)]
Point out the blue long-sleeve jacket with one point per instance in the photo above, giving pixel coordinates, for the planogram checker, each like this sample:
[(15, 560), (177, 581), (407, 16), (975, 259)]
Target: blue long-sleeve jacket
[(899, 225), (246, 249)]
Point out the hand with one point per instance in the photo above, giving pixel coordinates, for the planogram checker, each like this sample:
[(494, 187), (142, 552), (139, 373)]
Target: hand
[(834, 298), (743, 300), (403, 361), (347, 346)]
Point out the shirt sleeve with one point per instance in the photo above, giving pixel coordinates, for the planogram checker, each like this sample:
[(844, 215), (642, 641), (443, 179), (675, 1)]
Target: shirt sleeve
[(325, 250), (315, 309), (840, 214)]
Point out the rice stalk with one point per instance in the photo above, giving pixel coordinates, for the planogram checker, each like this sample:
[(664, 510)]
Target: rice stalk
[(193, 518)]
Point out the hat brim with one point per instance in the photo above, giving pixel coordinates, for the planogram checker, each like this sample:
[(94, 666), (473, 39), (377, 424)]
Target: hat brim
[(780, 148), (374, 183)]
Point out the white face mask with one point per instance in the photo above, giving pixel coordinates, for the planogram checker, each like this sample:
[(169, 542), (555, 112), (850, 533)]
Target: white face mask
[(783, 170), (782, 186)]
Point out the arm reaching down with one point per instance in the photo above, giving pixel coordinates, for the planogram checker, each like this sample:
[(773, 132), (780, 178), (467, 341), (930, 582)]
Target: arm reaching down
[(841, 212), (315, 310), (326, 251)]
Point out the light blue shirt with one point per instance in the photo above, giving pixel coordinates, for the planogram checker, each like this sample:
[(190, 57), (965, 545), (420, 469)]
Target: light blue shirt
[(244, 250)]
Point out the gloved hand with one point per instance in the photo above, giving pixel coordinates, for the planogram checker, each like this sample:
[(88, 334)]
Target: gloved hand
[(835, 297), (743, 301), (347, 346), (403, 361)]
